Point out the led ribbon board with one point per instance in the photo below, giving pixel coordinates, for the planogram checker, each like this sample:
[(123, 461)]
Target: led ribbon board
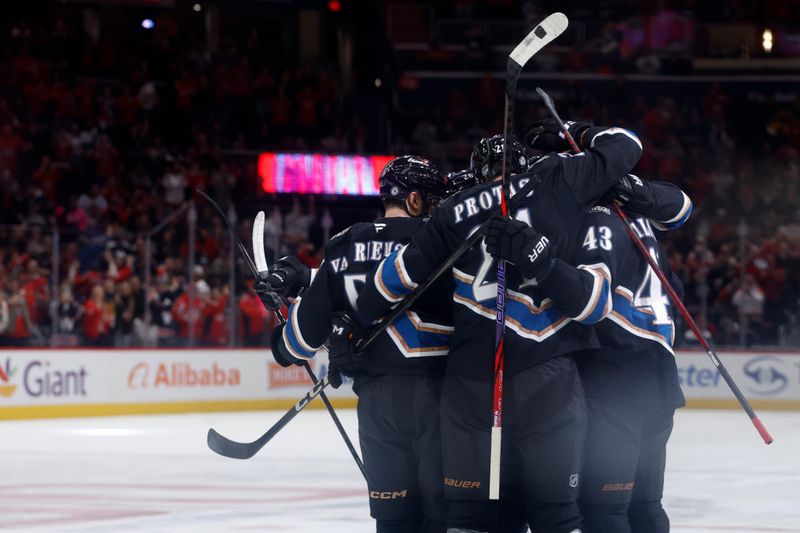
[(321, 174)]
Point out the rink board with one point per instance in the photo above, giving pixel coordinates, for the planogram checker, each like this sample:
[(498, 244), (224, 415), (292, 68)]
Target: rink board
[(53, 383)]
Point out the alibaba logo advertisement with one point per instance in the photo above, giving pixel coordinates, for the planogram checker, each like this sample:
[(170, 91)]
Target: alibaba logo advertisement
[(7, 372), (144, 375)]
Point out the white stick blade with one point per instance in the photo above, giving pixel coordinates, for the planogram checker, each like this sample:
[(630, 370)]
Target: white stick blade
[(494, 463), (258, 244), (547, 30)]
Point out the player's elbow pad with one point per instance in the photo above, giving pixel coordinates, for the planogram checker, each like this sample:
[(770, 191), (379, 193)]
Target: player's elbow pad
[(583, 293), (679, 219), (621, 148), (292, 339)]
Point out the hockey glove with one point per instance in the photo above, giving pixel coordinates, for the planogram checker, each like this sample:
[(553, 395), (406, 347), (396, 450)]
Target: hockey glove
[(288, 277), (547, 135), (279, 351), (341, 349), (634, 194), (271, 299), (520, 244)]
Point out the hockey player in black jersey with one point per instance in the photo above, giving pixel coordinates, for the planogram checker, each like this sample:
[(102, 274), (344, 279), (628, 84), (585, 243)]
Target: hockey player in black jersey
[(544, 413), (631, 383), (398, 379)]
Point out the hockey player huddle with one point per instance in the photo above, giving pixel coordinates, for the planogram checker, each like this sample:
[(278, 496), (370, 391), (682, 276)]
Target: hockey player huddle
[(591, 382)]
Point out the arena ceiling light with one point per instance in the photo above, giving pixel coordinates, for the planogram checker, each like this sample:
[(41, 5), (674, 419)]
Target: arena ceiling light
[(766, 40), (148, 24)]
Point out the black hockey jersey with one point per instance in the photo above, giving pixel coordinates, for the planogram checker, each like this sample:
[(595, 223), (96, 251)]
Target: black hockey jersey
[(566, 187), (635, 361), (414, 344)]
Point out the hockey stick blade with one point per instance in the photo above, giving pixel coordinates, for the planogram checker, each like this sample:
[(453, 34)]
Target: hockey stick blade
[(258, 245), (542, 35), (245, 450)]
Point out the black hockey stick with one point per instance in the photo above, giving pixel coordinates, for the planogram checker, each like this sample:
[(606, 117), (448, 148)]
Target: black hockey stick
[(665, 283), (217, 442), (263, 271), (547, 30), (245, 450)]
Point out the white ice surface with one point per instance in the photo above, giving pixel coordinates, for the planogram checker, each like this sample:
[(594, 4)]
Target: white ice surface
[(154, 473)]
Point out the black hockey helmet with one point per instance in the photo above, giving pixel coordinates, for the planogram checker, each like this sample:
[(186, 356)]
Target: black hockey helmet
[(408, 173), (487, 157), (458, 180)]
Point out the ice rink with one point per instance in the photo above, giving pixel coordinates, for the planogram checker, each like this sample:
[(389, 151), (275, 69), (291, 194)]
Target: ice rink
[(155, 473)]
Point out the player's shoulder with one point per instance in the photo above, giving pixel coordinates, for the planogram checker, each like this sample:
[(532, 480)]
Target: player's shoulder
[(381, 229)]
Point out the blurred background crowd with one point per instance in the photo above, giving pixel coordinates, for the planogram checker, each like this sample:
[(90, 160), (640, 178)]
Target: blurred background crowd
[(111, 116)]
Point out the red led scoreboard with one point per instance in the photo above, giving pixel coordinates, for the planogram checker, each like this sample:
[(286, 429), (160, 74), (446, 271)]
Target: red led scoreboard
[(321, 174)]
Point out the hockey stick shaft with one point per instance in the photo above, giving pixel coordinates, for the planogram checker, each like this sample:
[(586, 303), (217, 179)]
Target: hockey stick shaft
[(337, 422), (762, 430), (236, 238), (496, 438)]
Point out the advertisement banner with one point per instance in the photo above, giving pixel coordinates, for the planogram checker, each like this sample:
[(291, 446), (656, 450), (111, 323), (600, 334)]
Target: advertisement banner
[(213, 379), (79, 382), (764, 377)]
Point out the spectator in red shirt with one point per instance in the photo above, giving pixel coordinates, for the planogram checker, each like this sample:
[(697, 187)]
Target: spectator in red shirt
[(97, 321), (215, 330), (253, 317), (21, 305), (187, 316)]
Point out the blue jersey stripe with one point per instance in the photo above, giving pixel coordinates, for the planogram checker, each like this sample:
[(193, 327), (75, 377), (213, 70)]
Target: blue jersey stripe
[(415, 340), (642, 323), (520, 314)]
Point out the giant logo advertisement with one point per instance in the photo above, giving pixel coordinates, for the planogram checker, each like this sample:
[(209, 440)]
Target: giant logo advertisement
[(40, 377), (133, 377)]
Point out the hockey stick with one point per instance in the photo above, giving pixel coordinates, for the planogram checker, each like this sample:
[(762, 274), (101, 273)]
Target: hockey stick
[(263, 270), (550, 28), (245, 450), (260, 270), (762, 430)]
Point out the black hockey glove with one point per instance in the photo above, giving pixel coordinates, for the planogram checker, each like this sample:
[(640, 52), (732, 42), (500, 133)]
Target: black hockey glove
[(271, 299), (547, 135), (288, 277), (520, 244), (634, 194), (279, 351), (344, 360)]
